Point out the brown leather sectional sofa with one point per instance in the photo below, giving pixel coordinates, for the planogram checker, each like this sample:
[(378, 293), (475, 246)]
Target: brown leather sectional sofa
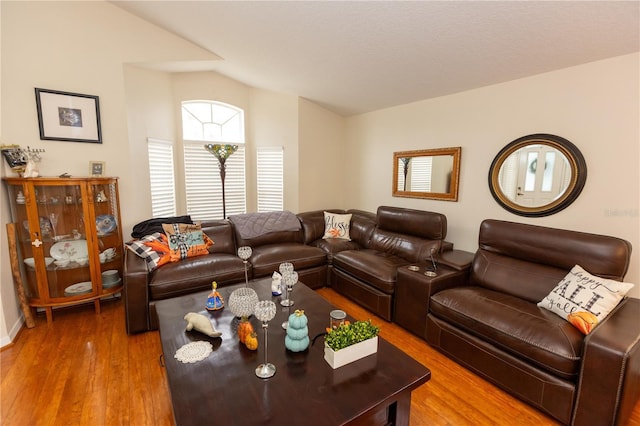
[(480, 309), (404, 235)]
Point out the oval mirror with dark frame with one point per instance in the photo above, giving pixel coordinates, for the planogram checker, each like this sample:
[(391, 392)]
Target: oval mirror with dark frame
[(537, 175), (427, 173)]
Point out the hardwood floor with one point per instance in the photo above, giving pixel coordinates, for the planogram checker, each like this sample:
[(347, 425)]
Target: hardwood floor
[(85, 370)]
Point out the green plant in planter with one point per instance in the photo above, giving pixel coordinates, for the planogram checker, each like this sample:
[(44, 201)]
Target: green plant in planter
[(349, 334)]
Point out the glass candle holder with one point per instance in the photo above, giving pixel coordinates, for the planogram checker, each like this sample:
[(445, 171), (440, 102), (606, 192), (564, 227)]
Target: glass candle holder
[(244, 253), (289, 280), (242, 301), (285, 268), (336, 318), (265, 310)]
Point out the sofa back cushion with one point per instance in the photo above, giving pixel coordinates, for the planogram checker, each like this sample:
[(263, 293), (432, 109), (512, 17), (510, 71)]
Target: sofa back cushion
[(221, 232), (363, 224), (528, 261), (419, 223), (407, 233)]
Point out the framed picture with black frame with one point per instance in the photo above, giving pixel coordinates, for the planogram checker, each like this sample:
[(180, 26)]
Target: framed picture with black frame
[(65, 116)]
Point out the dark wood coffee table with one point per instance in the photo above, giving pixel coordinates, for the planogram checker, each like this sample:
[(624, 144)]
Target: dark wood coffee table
[(224, 389)]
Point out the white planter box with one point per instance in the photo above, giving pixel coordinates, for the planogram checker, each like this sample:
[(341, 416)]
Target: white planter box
[(351, 353)]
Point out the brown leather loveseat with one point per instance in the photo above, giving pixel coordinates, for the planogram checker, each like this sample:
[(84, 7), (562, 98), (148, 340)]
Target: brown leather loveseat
[(490, 323)]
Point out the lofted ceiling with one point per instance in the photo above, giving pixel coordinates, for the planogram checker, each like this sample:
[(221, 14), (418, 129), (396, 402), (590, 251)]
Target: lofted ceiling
[(358, 56)]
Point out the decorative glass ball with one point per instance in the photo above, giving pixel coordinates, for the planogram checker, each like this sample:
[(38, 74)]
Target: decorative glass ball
[(244, 252), (242, 301)]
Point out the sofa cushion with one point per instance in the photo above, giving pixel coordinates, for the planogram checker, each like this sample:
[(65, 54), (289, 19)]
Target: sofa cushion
[(423, 224), (411, 249), (186, 240), (363, 224), (376, 268), (222, 233), (601, 255), (266, 259), (335, 245), (194, 274), (579, 292), (514, 325), (336, 226), (154, 249)]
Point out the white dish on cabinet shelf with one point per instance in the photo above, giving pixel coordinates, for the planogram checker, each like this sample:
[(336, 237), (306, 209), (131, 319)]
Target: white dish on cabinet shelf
[(69, 250), (32, 263), (79, 288)]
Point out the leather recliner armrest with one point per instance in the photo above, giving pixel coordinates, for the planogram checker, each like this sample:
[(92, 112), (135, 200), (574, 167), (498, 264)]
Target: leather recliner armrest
[(136, 293), (456, 259), (610, 376)]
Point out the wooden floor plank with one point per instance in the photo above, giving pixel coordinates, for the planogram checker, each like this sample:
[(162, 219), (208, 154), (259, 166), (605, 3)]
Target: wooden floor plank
[(84, 370)]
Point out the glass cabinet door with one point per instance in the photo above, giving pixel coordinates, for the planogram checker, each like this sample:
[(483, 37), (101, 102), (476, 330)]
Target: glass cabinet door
[(107, 223), (61, 220), (18, 196)]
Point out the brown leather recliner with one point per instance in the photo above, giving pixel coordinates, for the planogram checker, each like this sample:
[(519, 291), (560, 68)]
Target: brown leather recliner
[(401, 237), (490, 323)]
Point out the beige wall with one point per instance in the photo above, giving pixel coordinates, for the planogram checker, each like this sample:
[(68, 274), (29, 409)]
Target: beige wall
[(322, 159), (595, 106), (273, 120), (150, 114)]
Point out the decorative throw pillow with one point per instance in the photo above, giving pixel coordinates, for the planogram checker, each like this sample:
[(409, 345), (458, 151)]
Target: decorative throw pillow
[(336, 226), (584, 299), (154, 249), (186, 240)]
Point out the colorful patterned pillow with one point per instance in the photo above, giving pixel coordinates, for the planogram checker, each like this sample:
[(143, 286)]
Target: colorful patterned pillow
[(186, 240), (154, 249), (584, 299), (337, 226)]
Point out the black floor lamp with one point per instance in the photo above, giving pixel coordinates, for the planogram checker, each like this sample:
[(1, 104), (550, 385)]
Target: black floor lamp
[(222, 152)]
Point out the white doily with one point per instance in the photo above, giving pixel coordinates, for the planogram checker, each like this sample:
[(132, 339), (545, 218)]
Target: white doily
[(193, 352)]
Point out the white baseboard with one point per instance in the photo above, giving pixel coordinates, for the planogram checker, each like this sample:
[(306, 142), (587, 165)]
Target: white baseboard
[(6, 340)]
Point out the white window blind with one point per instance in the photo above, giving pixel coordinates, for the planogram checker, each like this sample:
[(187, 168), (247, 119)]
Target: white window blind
[(270, 176), (420, 169), (418, 174), (161, 175), (204, 187)]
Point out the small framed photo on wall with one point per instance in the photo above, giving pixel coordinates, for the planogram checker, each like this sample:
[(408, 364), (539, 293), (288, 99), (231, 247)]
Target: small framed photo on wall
[(65, 116), (96, 168)]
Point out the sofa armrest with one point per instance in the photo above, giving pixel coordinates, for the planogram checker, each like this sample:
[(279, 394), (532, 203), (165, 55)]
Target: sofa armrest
[(456, 259), (610, 378), (136, 293)]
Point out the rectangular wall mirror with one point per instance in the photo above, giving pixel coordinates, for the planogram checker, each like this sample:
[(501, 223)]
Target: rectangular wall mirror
[(427, 173)]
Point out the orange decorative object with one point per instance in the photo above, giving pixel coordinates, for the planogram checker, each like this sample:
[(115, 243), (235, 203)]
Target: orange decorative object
[(244, 330), (251, 341), (583, 321)]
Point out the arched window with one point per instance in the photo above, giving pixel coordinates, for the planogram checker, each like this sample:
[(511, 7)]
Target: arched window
[(206, 122)]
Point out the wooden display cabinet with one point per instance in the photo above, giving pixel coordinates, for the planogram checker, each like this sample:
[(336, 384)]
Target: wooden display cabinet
[(69, 239)]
